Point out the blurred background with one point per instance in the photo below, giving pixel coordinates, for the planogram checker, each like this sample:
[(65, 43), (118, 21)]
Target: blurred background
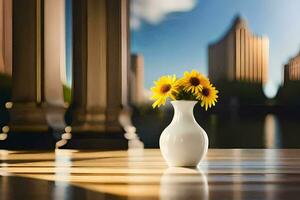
[(249, 49)]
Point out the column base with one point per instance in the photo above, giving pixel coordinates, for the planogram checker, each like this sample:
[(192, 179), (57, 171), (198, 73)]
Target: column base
[(28, 128), (28, 140), (93, 129), (94, 140), (27, 117)]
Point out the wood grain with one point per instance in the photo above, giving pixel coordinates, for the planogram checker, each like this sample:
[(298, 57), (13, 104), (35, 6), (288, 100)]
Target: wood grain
[(142, 174)]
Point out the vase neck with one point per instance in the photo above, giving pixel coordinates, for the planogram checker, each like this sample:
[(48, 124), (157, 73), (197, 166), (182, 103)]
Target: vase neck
[(183, 110)]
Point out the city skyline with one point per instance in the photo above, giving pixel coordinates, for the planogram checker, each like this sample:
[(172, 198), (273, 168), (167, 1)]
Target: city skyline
[(180, 41), (239, 55), (292, 69)]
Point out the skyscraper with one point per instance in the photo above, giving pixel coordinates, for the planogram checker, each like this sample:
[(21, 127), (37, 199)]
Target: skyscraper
[(292, 69), (136, 79), (239, 55)]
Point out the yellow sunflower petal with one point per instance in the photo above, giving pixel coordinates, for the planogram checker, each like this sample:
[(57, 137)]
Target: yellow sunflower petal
[(208, 97), (164, 88)]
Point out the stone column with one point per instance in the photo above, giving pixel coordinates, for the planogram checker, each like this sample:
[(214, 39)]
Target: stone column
[(117, 60), (5, 63), (89, 65), (54, 62), (100, 52), (27, 93), (6, 37), (38, 56)]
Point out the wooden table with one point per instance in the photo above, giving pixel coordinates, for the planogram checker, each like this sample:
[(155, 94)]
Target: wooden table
[(142, 174)]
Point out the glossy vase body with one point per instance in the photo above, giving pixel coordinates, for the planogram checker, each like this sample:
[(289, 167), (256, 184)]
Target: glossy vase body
[(183, 143)]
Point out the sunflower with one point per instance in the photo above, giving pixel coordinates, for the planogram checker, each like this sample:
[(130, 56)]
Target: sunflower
[(164, 88), (208, 96), (193, 82)]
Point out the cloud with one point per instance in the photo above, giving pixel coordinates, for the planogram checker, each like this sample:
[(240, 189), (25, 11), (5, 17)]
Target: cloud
[(154, 11)]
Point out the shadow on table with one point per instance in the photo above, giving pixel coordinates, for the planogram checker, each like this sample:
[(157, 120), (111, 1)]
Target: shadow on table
[(15, 187)]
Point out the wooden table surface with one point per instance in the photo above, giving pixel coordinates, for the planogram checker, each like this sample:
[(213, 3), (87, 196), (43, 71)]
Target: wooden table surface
[(142, 174)]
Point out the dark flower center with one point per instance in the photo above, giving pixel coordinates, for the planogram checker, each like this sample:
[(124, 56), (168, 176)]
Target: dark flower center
[(165, 88), (205, 92), (194, 81)]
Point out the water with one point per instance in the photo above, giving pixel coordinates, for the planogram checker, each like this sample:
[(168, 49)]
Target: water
[(229, 130), (272, 133), (225, 130)]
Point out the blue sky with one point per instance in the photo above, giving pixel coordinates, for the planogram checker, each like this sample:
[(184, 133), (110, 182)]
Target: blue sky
[(179, 41), (69, 41)]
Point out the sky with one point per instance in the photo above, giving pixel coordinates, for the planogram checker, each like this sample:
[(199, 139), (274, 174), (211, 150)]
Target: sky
[(173, 35), (69, 41)]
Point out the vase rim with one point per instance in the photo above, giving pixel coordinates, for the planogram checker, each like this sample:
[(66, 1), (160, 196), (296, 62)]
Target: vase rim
[(186, 102)]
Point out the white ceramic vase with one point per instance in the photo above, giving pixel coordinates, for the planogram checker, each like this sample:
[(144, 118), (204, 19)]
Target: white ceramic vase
[(183, 143)]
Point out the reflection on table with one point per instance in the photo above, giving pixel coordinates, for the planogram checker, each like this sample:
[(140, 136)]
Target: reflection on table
[(142, 174)]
